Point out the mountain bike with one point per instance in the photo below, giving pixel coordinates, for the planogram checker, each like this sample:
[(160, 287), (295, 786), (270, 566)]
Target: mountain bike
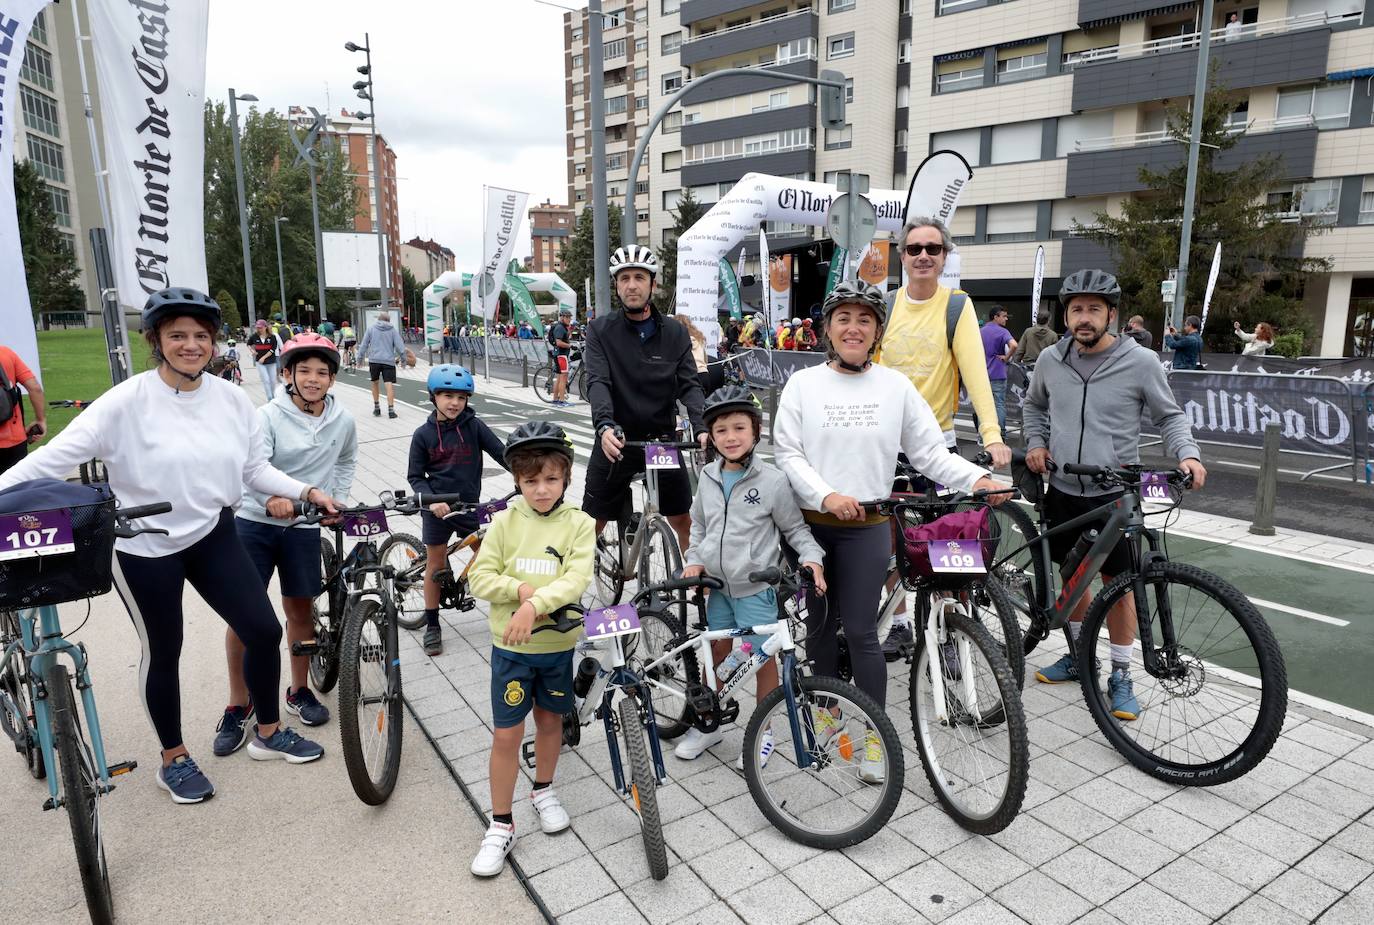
[(366, 645), (53, 557), (1202, 648), (406, 554), (546, 375)]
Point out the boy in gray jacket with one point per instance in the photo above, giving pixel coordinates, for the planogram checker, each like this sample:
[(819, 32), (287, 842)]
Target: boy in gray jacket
[(1084, 406), (742, 507)]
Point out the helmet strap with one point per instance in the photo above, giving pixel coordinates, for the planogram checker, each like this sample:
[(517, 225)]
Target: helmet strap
[(842, 364)]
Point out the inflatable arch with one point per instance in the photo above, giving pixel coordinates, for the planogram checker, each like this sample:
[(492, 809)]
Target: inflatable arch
[(454, 280)]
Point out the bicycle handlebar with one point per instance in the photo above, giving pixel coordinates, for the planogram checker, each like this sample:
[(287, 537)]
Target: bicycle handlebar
[(685, 584), (562, 623), (124, 530), (1129, 476), (674, 444), (70, 403)]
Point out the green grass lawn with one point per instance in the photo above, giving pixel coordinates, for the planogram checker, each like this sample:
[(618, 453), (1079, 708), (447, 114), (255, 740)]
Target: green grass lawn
[(76, 366)]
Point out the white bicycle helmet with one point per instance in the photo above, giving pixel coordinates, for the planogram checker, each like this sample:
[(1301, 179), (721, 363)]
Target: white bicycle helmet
[(635, 255)]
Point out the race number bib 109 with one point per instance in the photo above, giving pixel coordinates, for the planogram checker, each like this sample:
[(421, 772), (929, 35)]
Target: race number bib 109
[(1154, 486), (41, 533), (957, 556), (364, 524), (657, 456), (620, 620)]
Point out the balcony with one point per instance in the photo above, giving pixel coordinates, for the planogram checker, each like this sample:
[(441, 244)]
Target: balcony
[(754, 123), (761, 33), (696, 10), (776, 162), (742, 83)]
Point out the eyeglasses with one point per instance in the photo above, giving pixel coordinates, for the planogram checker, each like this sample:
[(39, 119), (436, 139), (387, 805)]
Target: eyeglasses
[(914, 250)]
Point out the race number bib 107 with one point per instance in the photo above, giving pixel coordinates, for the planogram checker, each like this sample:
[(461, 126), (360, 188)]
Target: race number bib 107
[(957, 556), (620, 620), (364, 524), (657, 456), (40, 533)]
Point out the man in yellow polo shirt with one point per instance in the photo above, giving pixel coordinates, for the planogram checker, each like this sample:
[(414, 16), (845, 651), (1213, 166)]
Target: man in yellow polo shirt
[(917, 343)]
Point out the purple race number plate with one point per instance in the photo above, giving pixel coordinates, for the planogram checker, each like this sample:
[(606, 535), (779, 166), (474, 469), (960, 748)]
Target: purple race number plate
[(620, 620), (485, 512), (41, 533), (657, 456), (957, 556), (1154, 486), (364, 524)]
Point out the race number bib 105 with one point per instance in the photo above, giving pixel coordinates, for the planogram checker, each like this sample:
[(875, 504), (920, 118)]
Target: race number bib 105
[(657, 456), (957, 556), (41, 533), (364, 524), (620, 620)]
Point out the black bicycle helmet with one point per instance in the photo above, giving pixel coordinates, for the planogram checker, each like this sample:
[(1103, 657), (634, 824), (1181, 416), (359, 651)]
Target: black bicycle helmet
[(538, 435), (1090, 282), (173, 303), (730, 398), (856, 292)]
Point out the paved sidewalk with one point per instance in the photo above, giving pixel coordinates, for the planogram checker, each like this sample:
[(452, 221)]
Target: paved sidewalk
[(1096, 841)]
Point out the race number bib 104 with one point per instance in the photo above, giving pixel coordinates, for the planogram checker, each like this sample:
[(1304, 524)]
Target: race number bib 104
[(957, 556), (1154, 486), (364, 524), (620, 620), (657, 456), (41, 533)]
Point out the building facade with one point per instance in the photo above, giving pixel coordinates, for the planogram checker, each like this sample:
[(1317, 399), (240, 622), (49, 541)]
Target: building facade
[(426, 259), (1056, 104), (550, 227)]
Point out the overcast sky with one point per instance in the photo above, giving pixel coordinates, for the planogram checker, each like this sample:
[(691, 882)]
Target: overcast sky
[(468, 92)]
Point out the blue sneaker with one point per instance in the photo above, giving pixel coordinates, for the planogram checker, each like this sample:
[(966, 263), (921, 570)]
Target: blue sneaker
[(232, 730), (302, 703), (1066, 669), (284, 743), (1119, 688), (183, 780)]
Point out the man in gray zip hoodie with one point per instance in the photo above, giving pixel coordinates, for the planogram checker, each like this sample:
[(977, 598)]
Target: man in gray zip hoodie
[(1084, 406)]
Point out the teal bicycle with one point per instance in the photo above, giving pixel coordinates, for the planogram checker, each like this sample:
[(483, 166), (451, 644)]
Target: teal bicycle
[(50, 557)]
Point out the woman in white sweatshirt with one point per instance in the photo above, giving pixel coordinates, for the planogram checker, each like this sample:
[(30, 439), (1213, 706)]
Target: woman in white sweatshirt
[(1258, 343), (173, 434), (839, 429)]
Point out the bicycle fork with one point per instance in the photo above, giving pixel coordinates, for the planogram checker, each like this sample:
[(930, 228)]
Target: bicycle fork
[(935, 632)]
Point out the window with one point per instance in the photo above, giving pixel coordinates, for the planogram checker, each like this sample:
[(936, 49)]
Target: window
[(641, 186), (672, 82), (581, 196), (37, 67), (1238, 119), (577, 34), (614, 49), (776, 100), (1318, 200), (671, 197), (736, 23), (39, 30), (577, 61), (963, 73), (849, 89), (579, 115), (839, 46), (672, 160), (841, 6), (967, 142), (40, 111), (904, 51), (836, 138), (616, 105), (1367, 202), (642, 14), (708, 194), (670, 6), (962, 225), (641, 45), (577, 87), (751, 146), (903, 97), (641, 102), (901, 139), (1328, 105), (579, 169), (68, 242), (61, 205), (1011, 222), (796, 50), (641, 73), (614, 18), (615, 162), (1088, 126), (642, 215), (770, 14), (1065, 212), (579, 140), (672, 122), (1019, 141), (1022, 67), (671, 43), (46, 157)]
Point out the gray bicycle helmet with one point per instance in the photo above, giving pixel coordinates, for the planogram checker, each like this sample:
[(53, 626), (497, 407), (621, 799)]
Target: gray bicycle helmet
[(731, 398), (173, 303), (1090, 282), (856, 292), (636, 255), (538, 435)]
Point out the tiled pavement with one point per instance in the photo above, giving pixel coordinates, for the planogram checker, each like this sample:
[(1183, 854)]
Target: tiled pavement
[(1097, 841)]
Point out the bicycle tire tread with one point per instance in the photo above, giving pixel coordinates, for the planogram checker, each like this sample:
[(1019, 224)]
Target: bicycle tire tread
[(645, 784), (371, 792)]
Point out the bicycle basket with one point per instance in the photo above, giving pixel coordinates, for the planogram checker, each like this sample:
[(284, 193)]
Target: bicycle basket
[(974, 525), (86, 571)]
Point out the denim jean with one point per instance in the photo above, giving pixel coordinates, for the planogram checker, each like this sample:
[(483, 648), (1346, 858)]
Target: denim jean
[(999, 398)]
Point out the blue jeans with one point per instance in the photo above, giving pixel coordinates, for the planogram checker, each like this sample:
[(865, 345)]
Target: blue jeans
[(999, 398)]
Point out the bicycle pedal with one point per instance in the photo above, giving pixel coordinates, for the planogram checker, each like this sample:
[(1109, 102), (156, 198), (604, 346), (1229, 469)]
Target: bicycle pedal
[(730, 712), (527, 753), (466, 604), (124, 767), (305, 648)]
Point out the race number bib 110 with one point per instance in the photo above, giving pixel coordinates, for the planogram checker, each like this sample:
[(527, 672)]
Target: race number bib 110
[(620, 620), (957, 556), (485, 512), (40, 533), (364, 524), (657, 456)]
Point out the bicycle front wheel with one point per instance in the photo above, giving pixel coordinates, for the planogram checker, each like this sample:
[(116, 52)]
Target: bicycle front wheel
[(643, 787), (1016, 565), (326, 612), (406, 555), (660, 559), (543, 381), (17, 710), (80, 793), (972, 742), (835, 773), (990, 605), (370, 701), (582, 384), (1214, 705), (610, 546)]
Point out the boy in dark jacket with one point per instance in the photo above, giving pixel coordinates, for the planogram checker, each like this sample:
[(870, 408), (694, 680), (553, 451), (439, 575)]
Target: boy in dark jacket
[(446, 458)]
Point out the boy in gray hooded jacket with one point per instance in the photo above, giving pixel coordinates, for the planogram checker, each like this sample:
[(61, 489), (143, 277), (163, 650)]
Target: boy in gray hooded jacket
[(742, 507)]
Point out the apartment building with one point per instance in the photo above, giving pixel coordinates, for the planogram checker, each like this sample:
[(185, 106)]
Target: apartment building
[(550, 227), (426, 259)]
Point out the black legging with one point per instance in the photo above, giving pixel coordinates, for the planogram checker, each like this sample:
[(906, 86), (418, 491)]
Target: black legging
[(217, 567), (855, 565)]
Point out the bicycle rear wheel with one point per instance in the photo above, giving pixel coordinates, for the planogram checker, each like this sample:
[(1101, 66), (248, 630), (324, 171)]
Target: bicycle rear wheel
[(1201, 721), (370, 701), (326, 613), (543, 381), (660, 559), (1015, 566), (973, 746), (16, 714), (582, 384), (80, 793), (989, 604), (610, 546), (643, 787), (828, 804), (406, 555), (667, 683)]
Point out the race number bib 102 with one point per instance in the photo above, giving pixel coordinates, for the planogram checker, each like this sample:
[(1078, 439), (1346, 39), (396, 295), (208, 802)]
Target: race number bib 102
[(41, 533), (657, 456), (364, 524), (620, 620), (957, 556)]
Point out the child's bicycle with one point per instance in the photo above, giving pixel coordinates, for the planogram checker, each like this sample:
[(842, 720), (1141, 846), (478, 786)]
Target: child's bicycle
[(52, 557)]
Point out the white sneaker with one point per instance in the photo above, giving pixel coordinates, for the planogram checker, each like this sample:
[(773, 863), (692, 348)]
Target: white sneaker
[(695, 742), (552, 816), (496, 844), (765, 750), (872, 770)]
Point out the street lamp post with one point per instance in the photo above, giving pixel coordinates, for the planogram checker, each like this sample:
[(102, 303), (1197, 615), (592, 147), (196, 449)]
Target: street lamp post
[(243, 207), (1194, 145), (601, 244), (365, 92), (281, 279)]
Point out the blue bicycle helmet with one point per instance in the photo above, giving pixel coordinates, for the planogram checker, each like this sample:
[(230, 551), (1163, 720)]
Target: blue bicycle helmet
[(173, 303), (450, 378)]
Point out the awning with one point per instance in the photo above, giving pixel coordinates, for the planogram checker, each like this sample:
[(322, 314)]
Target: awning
[(960, 55), (1140, 14), (1351, 75)]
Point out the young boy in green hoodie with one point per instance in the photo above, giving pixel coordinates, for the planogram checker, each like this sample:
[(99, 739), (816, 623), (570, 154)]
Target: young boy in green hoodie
[(536, 558)]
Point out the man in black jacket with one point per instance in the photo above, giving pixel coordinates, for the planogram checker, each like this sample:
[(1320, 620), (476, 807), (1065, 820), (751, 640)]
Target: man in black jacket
[(639, 365)]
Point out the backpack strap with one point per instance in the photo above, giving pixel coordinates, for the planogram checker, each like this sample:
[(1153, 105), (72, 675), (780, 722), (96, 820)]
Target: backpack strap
[(957, 300)]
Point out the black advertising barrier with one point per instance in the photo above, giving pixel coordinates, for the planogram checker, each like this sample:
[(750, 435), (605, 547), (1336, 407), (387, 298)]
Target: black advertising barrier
[(754, 363), (1347, 369)]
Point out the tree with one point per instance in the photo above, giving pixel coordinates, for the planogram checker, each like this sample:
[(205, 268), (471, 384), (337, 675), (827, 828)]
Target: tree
[(1262, 268), (49, 264), (412, 296), (229, 309), (688, 211), (579, 257)]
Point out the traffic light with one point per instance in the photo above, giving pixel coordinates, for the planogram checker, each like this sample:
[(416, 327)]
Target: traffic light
[(832, 100)]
